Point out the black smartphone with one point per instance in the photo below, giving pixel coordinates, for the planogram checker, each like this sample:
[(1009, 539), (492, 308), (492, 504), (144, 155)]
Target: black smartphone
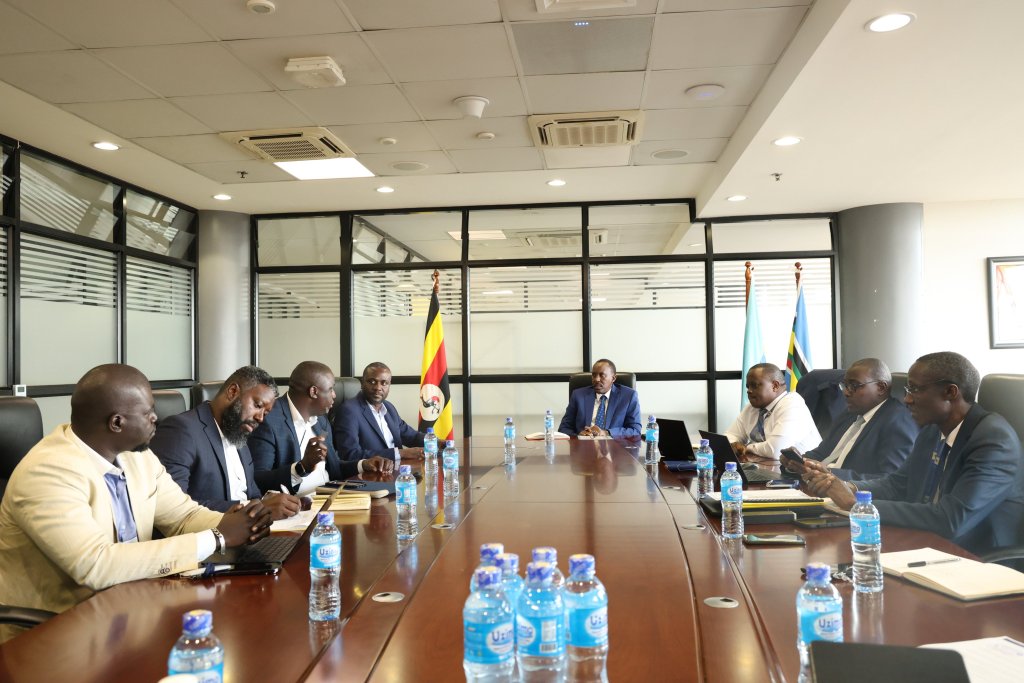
[(822, 522), (773, 539), (792, 454), (782, 484)]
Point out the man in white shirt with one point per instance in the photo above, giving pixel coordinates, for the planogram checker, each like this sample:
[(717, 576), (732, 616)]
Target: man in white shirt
[(774, 419)]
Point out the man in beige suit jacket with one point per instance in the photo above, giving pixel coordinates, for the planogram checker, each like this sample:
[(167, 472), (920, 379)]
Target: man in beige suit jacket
[(68, 528)]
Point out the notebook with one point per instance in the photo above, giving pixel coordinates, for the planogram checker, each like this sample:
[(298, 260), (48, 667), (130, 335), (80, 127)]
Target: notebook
[(957, 577), (860, 662), (675, 446), (722, 449)]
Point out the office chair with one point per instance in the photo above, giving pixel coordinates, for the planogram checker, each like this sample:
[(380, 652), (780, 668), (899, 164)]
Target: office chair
[(1004, 394), (345, 389), (899, 385), (825, 400), (168, 402), (204, 391), (21, 428), (25, 617), (578, 380)]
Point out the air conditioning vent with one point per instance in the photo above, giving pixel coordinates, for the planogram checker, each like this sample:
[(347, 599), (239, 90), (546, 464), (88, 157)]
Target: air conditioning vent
[(594, 129), (561, 239), (294, 144)]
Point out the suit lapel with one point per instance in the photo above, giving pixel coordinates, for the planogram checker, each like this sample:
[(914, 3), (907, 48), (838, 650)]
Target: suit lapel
[(391, 419), (283, 414), (205, 415), (368, 416), (974, 416), (588, 404)]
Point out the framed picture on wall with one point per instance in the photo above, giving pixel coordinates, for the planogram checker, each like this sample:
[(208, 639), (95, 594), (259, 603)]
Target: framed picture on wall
[(1006, 302)]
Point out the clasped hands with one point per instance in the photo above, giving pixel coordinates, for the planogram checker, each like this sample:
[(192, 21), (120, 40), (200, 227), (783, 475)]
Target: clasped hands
[(593, 430), (818, 480)]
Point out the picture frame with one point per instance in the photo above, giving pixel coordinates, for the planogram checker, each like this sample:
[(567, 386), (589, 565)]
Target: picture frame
[(1006, 302)]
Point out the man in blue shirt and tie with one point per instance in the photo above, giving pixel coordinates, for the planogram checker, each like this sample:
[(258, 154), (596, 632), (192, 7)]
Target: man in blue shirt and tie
[(604, 408)]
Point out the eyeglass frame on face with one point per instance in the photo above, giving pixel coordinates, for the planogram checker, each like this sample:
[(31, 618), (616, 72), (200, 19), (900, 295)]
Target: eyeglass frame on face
[(914, 389), (854, 387)]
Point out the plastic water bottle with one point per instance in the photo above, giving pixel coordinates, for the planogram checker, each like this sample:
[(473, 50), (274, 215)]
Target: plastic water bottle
[(450, 462), (198, 651), (549, 425), (550, 555), (324, 569), (819, 610), (651, 437), (405, 497), (732, 502), (488, 633), (587, 605), (540, 627), (705, 468), (866, 539), (430, 493), (509, 437), (430, 451), (511, 583), (488, 558)]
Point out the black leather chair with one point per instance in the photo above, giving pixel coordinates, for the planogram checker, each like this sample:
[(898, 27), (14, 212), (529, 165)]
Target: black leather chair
[(204, 391), (578, 380), (345, 389), (21, 428), (168, 402), (1004, 394), (820, 391), (899, 386)]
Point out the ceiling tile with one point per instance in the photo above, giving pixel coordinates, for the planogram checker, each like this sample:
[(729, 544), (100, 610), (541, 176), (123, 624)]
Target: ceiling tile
[(229, 19), (380, 164), (583, 157), (434, 99), (697, 151), (675, 124), (115, 23), (365, 138), (268, 57), (376, 15), (735, 38), (526, 10), (563, 47), (227, 172), (356, 104), (243, 111), (584, 92), (139, 118), (444, 52), (667, 89), (22, 33), (193, 149), (72, 76), (668, 6), (176, 70), (510, 131), (490, 160)]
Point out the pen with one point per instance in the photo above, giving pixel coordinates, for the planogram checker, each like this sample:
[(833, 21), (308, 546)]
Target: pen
[(922, 563)]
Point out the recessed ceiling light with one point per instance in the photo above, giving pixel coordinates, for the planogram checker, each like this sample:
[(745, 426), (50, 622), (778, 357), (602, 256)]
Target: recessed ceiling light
[(889, 22), (478, 235), (485, 135), (325, 169), (385, 189), (787, 141), (409, 166), (705, 91), (556, 182), (736, 198), (669, 154), (388, 141), (222, 197), (695, 244), (106, 146)]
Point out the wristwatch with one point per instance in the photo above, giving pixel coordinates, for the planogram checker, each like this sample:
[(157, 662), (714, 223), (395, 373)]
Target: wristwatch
[(222, 543), (300, 470)]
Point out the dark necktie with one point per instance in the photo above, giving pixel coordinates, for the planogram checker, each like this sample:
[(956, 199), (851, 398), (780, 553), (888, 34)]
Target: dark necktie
[(599, 420), (123, 518), (936, 467), (757, 433)]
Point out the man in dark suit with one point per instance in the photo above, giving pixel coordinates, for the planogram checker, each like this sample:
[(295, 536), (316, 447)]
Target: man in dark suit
[(877, 433), (204, 450), (964, 478), (604, 408), (370, 425), (294, 447)]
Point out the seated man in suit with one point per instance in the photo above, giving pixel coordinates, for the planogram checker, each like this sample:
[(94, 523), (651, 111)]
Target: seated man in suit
[(875, 436), (604, 408), (964, 478), (204, 449), (774, 419), (79, 513), (293, 447), (369, 424)]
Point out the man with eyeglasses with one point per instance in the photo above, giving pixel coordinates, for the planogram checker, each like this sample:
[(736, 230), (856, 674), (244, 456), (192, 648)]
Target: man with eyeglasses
[(370, 425), (963, 479), (875, 436), (775, 419)]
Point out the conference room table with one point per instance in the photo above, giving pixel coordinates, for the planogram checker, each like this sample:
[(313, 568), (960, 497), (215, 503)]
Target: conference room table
[(659, 555)]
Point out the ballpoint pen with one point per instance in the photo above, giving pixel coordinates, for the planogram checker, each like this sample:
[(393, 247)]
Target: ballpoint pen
[(923, 563)]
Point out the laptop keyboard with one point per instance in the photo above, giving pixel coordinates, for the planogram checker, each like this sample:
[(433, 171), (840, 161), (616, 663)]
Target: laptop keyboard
[(269, 549), (756, 474)]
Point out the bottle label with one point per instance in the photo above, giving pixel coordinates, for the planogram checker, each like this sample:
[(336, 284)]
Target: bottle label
[(589, 628), (651, 435), (405, 494), (541, 636), (703, 461), (865, 530), (324, 555), (549, 422), (732, 492), (822, 626), (430, 447), (510, 433), (214, 674), (488, 643), (451, 462)]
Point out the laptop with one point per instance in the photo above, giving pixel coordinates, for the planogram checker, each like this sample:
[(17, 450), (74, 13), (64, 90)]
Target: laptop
[(675, 446), (722, 449)]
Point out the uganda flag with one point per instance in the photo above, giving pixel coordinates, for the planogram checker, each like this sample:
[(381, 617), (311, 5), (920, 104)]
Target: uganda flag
[(435, 396)]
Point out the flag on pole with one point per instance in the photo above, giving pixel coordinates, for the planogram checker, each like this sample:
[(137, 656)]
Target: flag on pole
[(798, 361), (753, 348), (435, 396)]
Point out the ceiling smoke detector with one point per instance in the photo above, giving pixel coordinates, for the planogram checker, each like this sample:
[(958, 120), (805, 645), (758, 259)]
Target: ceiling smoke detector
[(315, 72), (261, 6)]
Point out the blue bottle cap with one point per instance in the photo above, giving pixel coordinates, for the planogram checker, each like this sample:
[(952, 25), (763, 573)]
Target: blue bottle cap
[(404, 470), (650, 418), (539, 573), (507, 562), (489, 551), (818, 572), (197, 622), (508, 419), (730, 467), (325, 518), (449, 443), (430, 430), (704, 442), (863, 496), (487, 577), (581, 564), (545, 554)]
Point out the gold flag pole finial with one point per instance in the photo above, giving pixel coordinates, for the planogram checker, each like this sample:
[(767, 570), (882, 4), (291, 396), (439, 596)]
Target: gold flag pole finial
[(437, 280), (747, 276), (799, 268)]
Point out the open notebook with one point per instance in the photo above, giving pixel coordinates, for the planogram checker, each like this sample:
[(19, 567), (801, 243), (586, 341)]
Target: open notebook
[(957, 577)]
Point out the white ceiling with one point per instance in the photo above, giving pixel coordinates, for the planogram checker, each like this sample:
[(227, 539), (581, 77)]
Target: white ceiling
[(927, 113)]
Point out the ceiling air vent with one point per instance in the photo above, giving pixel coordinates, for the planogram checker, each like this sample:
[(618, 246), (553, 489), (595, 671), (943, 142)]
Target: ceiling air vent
[(293, 144), (561, 238), (594, 129)]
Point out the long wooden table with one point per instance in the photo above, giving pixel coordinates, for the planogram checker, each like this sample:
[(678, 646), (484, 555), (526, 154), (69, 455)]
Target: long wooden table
[(658, 554)]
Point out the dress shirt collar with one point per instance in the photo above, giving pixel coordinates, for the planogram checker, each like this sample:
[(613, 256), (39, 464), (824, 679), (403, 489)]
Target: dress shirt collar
[(771, 406), (871, 413), (300, 422), (607, 393), (951, 437), (383, 408), (102, 464)]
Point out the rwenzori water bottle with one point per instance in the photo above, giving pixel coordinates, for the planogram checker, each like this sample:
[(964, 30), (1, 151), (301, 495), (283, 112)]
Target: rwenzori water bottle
[(705, 468), (549, 425), (430, 451), (866, 539), (488, 630), (819, 610), (450, 462), (509, 439), (324, 569), (198, 651), (405, 498), (488, 558), (587, 606), (511, 583), (732, 502), (540, 627), (651, 439)]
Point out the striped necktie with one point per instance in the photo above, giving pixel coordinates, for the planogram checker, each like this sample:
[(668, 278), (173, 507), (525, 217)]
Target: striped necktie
[(757, 433), (599, 419)]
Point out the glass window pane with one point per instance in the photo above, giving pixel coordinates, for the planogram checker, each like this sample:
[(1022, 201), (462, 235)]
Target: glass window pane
[(390, 313), (5, 181), (644, 229), (676, 400), (159, 312), (411, 237), (728, 397), (525, 233), (526, 403), (405, 398), (158, 226), (305, 241), (798, 234), (649, 317), (776, 298), (68, 310), (298, 319), (55, 410), (58, 197), (526, 319)]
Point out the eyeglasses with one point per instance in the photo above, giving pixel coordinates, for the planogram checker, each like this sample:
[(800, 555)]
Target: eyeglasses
[(854, 387), (914, 389)]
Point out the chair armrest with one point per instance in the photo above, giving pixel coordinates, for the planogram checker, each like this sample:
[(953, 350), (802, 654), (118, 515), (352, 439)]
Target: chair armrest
[(1015, 552)]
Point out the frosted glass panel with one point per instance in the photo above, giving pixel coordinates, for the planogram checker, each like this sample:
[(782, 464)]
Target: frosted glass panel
[(728, 401), (298, 320), (525, 403), (55, 410), (159, 312), (59, 197), (678, 400)]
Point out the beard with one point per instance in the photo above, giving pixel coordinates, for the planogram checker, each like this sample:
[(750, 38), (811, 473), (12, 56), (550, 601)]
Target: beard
[(232, 424)]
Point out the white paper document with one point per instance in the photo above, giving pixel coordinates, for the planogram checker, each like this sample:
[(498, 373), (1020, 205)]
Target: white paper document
[(989, 660), (297, 523)]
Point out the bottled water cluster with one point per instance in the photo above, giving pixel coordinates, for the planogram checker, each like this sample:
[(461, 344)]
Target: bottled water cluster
[(547, 627)]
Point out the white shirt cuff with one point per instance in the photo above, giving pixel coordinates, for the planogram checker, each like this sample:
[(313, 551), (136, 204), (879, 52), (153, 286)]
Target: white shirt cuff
[(296, 479), (206, 545)]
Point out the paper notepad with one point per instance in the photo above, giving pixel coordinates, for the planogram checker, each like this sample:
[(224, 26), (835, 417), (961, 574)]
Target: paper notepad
[(350, 502), (959, 578), (539, 436), (769, 498)]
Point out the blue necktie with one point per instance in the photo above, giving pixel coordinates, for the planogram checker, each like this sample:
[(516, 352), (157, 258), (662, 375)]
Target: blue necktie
[(757, 433), (936, 467), (599, 420), (123, 518)]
